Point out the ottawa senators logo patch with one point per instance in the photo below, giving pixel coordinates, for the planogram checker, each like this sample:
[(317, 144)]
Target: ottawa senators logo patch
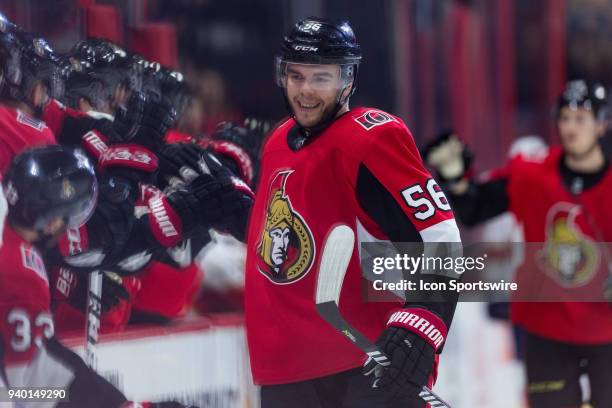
[(570, 257), (286, 248), (374, 118)]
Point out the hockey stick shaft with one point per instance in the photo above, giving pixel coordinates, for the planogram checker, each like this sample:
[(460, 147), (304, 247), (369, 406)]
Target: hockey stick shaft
[(334, 263), (94, 311)]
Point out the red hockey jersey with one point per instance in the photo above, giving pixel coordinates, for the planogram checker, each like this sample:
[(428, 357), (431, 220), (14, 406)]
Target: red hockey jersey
[(55, 113), (18, 133), (301, 195), (550, 214), (25, 317)]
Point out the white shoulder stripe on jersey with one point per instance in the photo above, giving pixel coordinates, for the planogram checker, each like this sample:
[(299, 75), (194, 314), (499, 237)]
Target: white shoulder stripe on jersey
[(444, 231)]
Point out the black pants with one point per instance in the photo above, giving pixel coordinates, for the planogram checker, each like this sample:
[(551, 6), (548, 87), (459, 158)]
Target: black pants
[(348, 389), (554, 369)]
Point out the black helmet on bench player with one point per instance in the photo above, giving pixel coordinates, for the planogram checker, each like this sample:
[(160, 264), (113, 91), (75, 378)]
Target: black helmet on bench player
[(26, 61), (45, 183)]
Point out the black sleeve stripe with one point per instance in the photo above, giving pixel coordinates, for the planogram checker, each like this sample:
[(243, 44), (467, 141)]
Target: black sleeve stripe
[(380, 205)]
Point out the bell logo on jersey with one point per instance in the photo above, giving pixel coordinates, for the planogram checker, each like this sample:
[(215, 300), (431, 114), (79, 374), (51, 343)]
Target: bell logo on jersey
[(286, 248), (374, 118), (570, 256)]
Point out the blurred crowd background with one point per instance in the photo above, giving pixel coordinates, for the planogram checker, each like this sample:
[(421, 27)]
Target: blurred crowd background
[(489, 69)]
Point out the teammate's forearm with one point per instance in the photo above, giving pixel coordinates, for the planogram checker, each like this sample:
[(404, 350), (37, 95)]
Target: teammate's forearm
[(480, 201)]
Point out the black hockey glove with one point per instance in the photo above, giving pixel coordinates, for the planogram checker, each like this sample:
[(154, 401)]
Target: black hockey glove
[(107, 232), (449, 156), (410, 341), (180, 161), (238, 146), (222, 203), (259, 127), (128, 118), (412, 361), (92, 135), (72, 287), (159, 115)]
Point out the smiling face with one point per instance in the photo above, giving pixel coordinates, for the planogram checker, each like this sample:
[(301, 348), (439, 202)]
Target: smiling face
[(313, 91), (579, 131)]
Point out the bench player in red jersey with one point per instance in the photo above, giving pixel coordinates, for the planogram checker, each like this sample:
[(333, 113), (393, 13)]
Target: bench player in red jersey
[(31, 75), (47, 189)]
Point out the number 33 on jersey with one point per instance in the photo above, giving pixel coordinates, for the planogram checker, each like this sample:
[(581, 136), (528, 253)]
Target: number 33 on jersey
[(25, 316)]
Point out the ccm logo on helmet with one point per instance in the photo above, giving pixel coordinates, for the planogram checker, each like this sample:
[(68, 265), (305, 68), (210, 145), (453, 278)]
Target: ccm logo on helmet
[(305, 48), (374, 118)]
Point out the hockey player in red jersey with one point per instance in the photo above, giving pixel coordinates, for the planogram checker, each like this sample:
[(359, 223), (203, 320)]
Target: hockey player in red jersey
[(329, 164), (31, 74), (62, 191), (561, 199)]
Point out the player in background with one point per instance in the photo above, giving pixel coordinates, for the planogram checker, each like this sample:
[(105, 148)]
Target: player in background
[(329, 164), (560, 199), (61, 192)]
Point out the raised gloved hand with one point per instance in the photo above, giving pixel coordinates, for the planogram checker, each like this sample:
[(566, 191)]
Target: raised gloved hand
[(208, 196), (181, 163), (259, 127), (449, 156), (222, 203), (410, 340), (238, 146), (159, 115)]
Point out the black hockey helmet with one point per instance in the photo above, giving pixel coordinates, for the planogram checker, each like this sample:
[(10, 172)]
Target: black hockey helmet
[(584, 94), (113, 63), (319, 41), (83, 82), (165, 83), (48, 182), (316, 40), (27, 60)]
